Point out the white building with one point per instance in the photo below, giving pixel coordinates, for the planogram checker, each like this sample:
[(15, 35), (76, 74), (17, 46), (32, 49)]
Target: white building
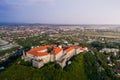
[(39, 56), (107, 50), (58, 53), (70, 52)]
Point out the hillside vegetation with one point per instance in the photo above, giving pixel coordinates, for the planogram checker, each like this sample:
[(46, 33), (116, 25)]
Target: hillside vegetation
[(51, 71)]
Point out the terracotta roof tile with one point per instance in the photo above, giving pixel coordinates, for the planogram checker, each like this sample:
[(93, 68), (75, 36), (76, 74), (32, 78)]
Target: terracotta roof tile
[(35, 52), (38, 53), (69, 49), (81, 48), (56, 50), (40, 48)]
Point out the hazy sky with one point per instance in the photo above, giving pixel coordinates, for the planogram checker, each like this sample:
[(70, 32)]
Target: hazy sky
[(61, 11)]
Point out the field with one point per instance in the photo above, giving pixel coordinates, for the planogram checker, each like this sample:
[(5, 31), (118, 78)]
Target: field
[(108, 34)]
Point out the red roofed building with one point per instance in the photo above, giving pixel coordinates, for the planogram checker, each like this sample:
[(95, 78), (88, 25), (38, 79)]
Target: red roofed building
[(70, 52), (57, 52), (81, 49), (41, 55), (78, 50), (40, 49), (38, 55)]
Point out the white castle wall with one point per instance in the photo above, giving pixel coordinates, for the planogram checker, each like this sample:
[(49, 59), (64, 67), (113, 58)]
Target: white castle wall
[(70, 54), (37, 64), (58, 56), (45, 58)]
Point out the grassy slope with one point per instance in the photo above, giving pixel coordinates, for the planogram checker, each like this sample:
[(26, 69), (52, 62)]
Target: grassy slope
[(20, 72)]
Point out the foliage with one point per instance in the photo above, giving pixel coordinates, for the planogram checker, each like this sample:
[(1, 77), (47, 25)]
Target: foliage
[(91, 67), (50, 71), (108, 71), (35, 41), (2, 52), (98, 45), (25, 63)]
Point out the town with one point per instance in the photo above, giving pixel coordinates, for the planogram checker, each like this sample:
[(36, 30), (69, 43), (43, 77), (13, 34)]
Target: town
[(59, 39), (61, 48)]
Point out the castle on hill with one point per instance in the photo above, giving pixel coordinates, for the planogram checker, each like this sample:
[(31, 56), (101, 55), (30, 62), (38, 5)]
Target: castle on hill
[(41, 55)]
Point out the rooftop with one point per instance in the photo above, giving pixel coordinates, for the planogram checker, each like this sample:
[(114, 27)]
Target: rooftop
[(69, 49), (57, 50), (39, 53), (35, 51)]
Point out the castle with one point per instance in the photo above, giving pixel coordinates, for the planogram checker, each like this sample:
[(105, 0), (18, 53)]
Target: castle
[(41, 55)]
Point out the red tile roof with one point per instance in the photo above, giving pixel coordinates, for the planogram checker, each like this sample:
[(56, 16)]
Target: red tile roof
[(39, 53), (40, 48), (81, 48), (35, 52), (69, 49), (57, 50)]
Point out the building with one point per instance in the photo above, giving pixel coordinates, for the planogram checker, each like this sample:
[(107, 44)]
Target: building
[(37, 55), (70, 52), (41, 55), (58, 53), (108, 50)]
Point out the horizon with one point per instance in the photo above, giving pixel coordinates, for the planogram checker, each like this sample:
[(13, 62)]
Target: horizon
[(56, 24), (60, 11), (71, 24)]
